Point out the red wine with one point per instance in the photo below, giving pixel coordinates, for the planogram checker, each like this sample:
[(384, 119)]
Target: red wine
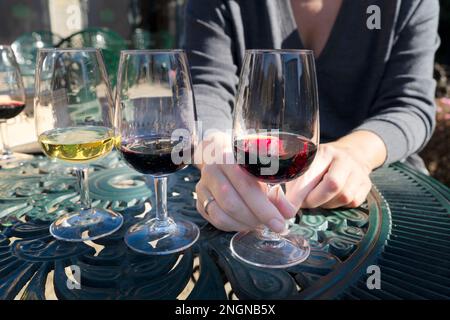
[(293, 153), (153, 155), (10, 109)]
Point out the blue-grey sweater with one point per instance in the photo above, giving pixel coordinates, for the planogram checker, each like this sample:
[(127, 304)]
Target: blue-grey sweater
[(379, 80)]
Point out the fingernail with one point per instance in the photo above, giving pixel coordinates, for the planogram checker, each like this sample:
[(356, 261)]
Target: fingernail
[(276, 225), (274, 192)]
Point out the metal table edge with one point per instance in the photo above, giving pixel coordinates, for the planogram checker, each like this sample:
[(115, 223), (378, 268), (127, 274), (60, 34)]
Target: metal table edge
[(366, 254)]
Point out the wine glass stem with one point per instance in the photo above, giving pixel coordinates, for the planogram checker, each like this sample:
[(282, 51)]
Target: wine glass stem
[(83, 187), (4, 136), (265, 233), (268, 235), (161, 198)]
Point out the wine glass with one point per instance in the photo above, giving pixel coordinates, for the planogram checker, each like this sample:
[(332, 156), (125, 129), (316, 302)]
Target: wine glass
[(275, 139), (155, 116), (74, 111), (12, 96)]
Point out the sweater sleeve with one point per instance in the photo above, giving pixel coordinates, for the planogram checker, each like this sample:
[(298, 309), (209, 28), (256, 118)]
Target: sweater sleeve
[(403, 115), (209, 46)]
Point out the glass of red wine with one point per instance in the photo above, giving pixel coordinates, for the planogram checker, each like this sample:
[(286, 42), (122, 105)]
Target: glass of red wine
[(155, 119), (275, 139), (12, 95)]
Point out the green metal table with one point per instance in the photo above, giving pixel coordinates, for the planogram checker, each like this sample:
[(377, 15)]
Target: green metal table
[(403, 229)]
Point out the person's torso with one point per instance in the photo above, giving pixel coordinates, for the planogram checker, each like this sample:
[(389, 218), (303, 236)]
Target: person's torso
[(351, 64)]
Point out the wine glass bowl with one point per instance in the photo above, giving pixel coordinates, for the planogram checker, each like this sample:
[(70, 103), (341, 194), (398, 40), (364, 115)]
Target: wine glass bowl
[(293, 155), (74, 122), (275, 139), (155, 117)]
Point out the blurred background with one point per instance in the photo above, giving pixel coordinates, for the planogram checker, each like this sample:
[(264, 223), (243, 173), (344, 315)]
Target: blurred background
[(139, 22), (113, 25)]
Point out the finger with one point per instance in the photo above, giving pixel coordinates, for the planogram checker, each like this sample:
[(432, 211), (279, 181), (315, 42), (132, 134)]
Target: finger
[(332, 183), (216, 216), (361, 194), (298, 189), (255, 198), (346, 195), (278, 198), (227, 197)]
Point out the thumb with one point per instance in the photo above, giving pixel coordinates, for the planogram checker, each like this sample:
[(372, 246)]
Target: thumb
[(278, 198), (299, 189)]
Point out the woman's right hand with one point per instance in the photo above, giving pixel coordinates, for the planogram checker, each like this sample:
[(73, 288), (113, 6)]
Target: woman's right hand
[(240, 202)]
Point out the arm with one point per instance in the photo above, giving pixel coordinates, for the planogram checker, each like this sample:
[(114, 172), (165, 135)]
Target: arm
[(403, 115), (208, 43), (400, 123), (366, 146)]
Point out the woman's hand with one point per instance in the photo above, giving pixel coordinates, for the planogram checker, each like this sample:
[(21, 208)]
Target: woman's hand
[(240, 201), (338, 177)]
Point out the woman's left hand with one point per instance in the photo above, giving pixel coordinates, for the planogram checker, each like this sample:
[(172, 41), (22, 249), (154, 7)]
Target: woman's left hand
[(337, 178)]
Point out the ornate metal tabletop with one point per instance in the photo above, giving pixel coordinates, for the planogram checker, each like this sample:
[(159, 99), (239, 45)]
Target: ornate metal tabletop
[(33, 265)]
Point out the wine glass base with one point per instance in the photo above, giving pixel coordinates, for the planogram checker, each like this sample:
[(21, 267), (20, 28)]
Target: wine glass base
[(89, 224), (251, 248), (154, 237)]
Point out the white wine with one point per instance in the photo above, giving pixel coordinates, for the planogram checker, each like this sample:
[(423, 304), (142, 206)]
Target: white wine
[(77, 144)]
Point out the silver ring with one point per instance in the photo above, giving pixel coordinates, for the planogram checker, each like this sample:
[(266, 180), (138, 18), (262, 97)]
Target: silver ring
[(207, 202)]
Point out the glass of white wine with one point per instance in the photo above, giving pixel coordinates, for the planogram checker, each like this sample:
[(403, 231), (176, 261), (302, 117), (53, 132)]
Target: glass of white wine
[(73, 108)]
